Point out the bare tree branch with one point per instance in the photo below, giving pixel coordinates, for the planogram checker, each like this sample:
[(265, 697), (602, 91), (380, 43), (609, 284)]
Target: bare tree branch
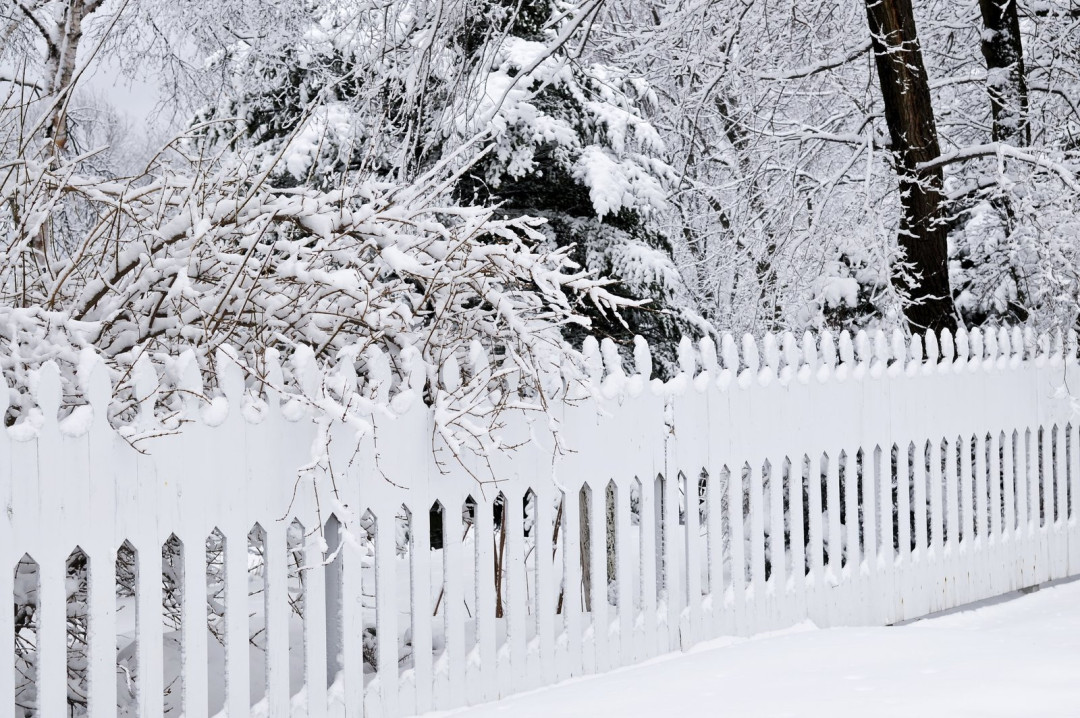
[(813, 69)]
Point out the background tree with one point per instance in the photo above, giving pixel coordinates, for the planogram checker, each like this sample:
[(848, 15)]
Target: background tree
[(1006, 80), (555, 137), (909, 115)]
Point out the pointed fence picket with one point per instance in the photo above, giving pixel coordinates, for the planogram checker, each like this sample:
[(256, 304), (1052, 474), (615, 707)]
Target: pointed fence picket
[(845, 480)]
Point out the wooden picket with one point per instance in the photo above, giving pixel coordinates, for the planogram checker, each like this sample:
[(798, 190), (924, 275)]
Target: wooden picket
[(846, 481)]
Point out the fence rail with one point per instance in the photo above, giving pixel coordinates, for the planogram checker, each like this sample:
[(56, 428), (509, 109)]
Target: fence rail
[(850, 482)]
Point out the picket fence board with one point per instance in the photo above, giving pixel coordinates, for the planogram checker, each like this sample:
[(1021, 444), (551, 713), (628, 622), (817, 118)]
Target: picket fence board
[(277, 610)]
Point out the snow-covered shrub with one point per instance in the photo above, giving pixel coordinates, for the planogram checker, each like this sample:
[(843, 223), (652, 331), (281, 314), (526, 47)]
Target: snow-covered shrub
[(395, 283)]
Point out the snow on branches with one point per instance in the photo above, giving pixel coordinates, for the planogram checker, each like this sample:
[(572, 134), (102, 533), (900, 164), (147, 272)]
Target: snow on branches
[(373, 285)]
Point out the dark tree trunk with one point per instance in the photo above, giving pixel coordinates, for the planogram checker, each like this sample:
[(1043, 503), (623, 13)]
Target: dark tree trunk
[(1005, 81), (910, 117), (1006, 84)]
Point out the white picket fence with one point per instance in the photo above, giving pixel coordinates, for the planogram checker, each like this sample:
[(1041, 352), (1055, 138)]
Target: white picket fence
[(849, 483)]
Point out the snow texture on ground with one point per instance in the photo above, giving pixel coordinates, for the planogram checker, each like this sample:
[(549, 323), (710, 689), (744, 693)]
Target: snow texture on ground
[(1014, 657)]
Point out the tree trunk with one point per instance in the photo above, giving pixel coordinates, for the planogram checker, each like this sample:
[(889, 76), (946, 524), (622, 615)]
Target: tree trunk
[(62, 49), (764, 271), (910, 117), (1005, 79)]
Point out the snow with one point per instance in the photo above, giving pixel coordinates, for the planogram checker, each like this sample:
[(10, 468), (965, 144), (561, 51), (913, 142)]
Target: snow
[(615, 183), (840, 290), (1018, 655), (216, 411), (78, 421)]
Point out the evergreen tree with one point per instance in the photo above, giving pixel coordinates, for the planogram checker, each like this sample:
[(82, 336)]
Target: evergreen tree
[(545, 135), (572, 145)]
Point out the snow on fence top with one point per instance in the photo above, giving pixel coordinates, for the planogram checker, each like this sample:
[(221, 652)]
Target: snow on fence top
[(466, 390), (909, 476)]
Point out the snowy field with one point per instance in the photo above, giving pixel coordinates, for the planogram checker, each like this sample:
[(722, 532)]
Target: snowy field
[(1014, 656)]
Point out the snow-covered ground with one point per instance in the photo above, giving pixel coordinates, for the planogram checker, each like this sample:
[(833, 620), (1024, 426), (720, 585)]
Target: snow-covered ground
[(1016, 656)]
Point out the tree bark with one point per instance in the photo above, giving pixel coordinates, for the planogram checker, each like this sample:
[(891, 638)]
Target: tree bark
[(62, 49), (909, 115), (1005, 78)]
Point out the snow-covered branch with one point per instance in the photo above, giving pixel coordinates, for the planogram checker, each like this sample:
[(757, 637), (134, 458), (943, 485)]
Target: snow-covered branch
[(1001, 149), (206, 260), (816, 67)]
